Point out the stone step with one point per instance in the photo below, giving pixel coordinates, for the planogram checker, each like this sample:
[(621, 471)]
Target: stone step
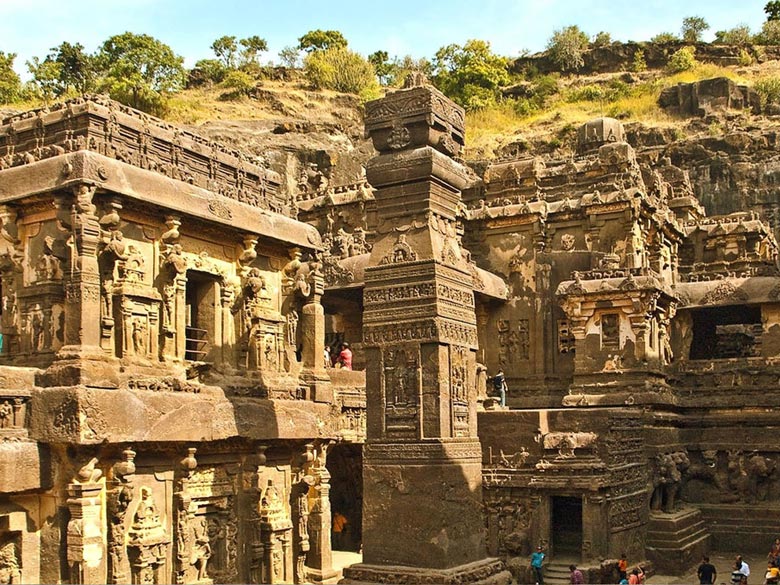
[(679, 537)]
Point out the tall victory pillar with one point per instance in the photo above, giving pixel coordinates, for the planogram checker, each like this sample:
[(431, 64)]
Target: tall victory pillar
[(422, 474)]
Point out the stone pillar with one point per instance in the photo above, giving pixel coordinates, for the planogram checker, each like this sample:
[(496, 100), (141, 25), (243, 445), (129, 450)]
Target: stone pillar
[(320, 560), (275, 536), (313, 338), (11, 278), (118, 500), (299, 499), (81, 359), (85, 538), (422, 472)]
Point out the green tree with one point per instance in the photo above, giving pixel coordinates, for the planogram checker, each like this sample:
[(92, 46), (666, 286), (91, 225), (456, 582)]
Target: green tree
[(385, 69), (46, 77), (470, 74), (772, 10), (664, 38), (342, 70), (252, 47), (740, 36), (320, 40), (602, 39), (770, 33), (140, 71), (226, 48), (639, 64), (289, 57), (77, 68), (10, 84), (567, 46), (692, 28)]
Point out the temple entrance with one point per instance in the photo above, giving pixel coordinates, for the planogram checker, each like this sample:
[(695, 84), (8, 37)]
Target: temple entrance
[(345, 464), (567, 525), (201, 303)]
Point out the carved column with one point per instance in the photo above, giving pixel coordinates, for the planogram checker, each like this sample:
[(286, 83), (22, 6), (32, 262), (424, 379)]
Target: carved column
[(276, 536), (313, 328), (174, 286), (10, 277), (81, 359), (185, 515), (300, 507), (118, 500), (256, 547), (422, 472), (319, 560), (85, 538)]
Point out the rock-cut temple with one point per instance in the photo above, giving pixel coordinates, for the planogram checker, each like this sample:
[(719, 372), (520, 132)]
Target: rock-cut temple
[(167, 414)]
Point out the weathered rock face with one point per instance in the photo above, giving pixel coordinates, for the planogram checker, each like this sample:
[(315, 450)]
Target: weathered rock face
[(701, 98), (620, 56)]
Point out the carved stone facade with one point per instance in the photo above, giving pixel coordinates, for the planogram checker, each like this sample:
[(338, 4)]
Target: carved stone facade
[(166, 406)]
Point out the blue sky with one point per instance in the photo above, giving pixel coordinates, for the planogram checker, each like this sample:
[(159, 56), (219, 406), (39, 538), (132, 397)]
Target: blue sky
[(416, 27)]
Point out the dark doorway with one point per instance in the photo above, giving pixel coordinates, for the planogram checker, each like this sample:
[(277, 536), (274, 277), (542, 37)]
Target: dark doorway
[(201, 316), (726, 332), (345, 464), (567, 525)]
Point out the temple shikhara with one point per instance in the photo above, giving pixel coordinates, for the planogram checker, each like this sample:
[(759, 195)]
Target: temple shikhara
[(168, 415)]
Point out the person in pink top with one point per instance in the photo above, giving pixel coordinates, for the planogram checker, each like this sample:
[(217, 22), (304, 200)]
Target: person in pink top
[(344, 360), (576, 575)]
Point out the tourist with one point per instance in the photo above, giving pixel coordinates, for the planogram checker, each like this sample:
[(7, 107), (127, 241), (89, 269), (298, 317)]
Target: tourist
[(499, 386), (774, 553), (706, 571), (623, 568), (637, 576), (741, 566), (326, 357), (772, 576), (738, 575), (344, 360), (537, 559), (576, 575), (339, 529)]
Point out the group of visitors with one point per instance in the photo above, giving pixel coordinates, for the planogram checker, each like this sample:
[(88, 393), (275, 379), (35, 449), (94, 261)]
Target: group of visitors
[(636, 577), (741, 570), (341, 360)]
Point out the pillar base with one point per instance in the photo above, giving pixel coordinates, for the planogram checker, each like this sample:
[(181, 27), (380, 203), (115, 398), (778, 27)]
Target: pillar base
[(320, 387), (484, 572), (81, 366), (320, 576)]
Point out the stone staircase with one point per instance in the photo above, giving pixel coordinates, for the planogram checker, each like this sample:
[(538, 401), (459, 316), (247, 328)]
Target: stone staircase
[(676, 541), (557, 573)]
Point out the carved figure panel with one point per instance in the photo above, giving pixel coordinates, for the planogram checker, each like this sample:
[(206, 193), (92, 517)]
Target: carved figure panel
[(401, 387)]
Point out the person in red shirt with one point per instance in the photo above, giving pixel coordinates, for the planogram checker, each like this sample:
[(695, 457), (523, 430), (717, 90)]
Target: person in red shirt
[(344, 360), (576, 575)]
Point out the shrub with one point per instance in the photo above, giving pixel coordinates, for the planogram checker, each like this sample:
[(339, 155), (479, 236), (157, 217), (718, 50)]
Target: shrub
[(639, 64), (611, 92), (768, 90), (664, 38), (682, 60), (745, 58), (239, 83), (342, 70), (212, 70), (566, 48)]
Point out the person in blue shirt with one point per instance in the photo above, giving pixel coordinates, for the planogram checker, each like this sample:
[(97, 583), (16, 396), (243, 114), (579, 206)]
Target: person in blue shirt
[(499, 386), (537, 559)]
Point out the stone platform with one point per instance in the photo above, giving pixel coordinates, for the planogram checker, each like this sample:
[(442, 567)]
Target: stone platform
[(676, 541)]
